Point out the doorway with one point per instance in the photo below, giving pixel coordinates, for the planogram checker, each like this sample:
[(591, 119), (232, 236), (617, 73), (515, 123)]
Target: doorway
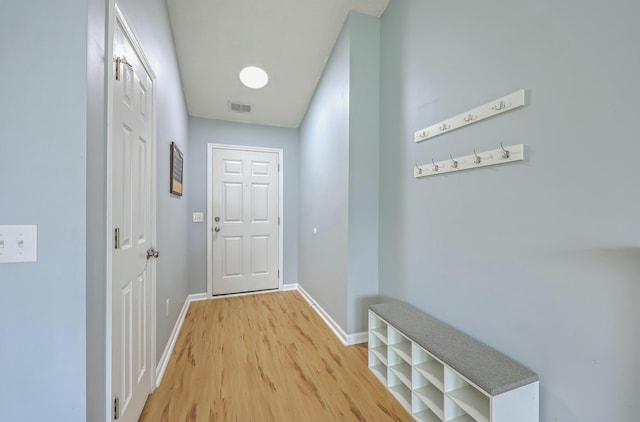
[(244, 223)]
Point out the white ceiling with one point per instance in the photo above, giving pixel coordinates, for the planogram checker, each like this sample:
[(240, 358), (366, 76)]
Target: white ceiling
[(290, 39)]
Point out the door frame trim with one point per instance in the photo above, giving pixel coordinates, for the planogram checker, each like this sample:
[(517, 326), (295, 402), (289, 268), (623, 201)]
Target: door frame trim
[(115, 16), (210, 148)]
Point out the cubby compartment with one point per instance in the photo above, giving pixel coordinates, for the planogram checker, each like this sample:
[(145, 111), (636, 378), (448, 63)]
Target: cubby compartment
[(380, 353), (378, 328), (402, 393), (399, 368), (432, 398), (422, 413), (378, 348), (454, 413), (378, 367), (475, 403), (428, 367), (463, 398), (399, 344)]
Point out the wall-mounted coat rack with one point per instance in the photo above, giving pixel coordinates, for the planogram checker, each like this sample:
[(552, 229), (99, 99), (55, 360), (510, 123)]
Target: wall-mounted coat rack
[(493, 108), (501, 155)]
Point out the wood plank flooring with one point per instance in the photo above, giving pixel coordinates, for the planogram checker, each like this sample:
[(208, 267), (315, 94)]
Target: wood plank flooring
[(266, 357)]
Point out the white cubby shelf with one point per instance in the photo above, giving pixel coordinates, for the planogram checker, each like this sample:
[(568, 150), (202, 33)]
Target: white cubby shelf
[(440, 374)]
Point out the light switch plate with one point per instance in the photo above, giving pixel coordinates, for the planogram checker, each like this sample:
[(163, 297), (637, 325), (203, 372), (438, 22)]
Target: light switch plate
[(18, 244), (198, 217)]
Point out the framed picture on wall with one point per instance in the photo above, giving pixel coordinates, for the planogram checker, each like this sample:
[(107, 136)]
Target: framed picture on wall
[(177, 159)]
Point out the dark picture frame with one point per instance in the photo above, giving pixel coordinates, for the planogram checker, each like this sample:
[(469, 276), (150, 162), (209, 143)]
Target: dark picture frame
[(176, 170)]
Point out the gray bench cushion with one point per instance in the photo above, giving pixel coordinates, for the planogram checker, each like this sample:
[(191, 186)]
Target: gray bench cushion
[(487, 368)]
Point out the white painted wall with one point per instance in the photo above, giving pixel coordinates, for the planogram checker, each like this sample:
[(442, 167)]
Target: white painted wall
[(539, 259)]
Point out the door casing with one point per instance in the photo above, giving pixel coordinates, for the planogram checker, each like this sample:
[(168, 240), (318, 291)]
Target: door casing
[(115, 15), (210, 222)]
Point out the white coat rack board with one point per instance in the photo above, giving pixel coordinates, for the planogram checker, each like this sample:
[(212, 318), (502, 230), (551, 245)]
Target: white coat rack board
[(493, 108), (500, 155)]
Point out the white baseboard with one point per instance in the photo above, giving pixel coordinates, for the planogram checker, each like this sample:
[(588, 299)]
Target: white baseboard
[(287, 287), (357, 338), (166, 355), (346, 339)]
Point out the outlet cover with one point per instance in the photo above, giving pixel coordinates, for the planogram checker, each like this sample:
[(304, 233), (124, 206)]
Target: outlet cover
[(198, 217)]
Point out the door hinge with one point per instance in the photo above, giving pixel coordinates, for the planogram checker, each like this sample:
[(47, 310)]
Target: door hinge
[(278, 220), (278, 166), (118, 60), (278, 274), (117, 238), (116, 408)]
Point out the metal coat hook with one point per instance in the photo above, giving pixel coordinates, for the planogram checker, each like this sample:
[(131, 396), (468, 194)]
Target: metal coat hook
[(470, 117), (454, 163), (477, 159), (424, 134), (500, 106), (505, 153), (444, 127), (497, 156)]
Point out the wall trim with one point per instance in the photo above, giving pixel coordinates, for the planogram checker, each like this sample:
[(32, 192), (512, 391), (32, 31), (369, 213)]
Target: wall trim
[(346, 339), (288, 287), (358, 338), (166, 355)]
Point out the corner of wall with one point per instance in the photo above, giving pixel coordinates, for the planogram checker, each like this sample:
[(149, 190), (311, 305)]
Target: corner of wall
[(364, 152)]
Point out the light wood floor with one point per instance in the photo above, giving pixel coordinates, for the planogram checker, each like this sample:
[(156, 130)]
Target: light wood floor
[(266, 357)]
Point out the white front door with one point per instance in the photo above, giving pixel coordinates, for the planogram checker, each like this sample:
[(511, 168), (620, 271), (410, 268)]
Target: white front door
[(131, 143), (245, 218)]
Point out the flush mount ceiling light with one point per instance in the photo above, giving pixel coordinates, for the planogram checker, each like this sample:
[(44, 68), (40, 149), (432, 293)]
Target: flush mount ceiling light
[(253, 77)]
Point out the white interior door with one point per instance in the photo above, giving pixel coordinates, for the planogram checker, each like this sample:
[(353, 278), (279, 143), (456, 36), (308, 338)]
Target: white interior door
[(132, 271), (245, 213)]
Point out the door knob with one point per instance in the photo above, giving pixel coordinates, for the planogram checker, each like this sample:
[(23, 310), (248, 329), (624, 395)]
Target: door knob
[(152, 253), (217, 229)]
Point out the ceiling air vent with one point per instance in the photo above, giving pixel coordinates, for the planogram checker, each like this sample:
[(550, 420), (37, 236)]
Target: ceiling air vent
[(240, 108)]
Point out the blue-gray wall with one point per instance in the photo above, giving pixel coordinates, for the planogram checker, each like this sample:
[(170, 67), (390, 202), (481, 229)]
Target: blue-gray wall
[(364, 148), (96, 214), (540, 259), (339, 149), (43, 159), (324, 187), (203, 132), (53, 149)]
